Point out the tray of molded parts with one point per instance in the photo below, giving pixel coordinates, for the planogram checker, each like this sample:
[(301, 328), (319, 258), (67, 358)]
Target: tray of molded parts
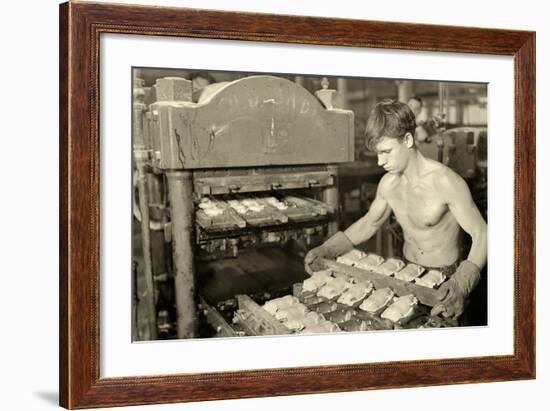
[(254, 211), (254, 320), (348, 318), (427, 296), (299, 209), (296, 317), (353, 319), (216, 215)]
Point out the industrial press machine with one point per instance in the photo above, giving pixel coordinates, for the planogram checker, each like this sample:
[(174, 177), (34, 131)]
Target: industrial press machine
[(237, 186)]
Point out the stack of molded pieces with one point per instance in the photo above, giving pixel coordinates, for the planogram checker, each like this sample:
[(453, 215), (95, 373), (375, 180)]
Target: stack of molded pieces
[(256, 211), (296, 208), (337, 299), (411, 272), (401, 309), (298, 317), (356, 306), (215, 214), (432, 279)]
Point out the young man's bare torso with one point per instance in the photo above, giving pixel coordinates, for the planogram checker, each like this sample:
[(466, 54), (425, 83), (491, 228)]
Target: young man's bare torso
[(431, 232)]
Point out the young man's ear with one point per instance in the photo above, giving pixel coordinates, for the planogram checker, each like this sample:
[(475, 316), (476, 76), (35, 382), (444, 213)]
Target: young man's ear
[(409, 140)]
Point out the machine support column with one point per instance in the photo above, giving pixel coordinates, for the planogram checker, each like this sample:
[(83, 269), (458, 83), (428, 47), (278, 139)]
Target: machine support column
[(146, 243), (180, 192), (342, 88), (405, 90), (141, 157), (330, 197)]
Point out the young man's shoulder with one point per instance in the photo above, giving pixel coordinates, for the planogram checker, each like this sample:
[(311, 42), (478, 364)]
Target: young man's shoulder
[(388, 182), (434, 167), (444, 177), (438, 170)]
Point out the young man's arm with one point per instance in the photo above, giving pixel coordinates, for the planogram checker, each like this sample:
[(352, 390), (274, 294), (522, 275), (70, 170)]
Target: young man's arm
[(453, 293), (462, 206), (360, 231), (364, 228)]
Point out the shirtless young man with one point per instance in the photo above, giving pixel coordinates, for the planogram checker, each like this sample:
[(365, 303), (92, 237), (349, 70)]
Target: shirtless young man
[(431, 203)]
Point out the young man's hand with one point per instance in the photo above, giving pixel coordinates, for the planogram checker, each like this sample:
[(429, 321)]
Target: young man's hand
[(313, 259), (454, 292), (452, 301), (335, 246)]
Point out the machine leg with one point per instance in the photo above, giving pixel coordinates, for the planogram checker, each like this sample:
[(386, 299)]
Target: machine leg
[(135, 301), (180, 191), (379, 242), (146, 248), (330, 197), (141, 157), (389, 240)]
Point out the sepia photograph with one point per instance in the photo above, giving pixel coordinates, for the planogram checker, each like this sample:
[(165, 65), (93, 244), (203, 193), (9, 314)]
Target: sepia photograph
[(289, 203)]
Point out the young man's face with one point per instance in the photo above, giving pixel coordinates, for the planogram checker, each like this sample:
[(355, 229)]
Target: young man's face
[(393, 153)]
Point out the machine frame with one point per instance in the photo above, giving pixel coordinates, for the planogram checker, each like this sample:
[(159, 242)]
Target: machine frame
[(257, 137)]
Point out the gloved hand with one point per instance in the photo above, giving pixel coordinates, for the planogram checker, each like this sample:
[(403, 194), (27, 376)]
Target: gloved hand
[(335, 246), (454, 292)]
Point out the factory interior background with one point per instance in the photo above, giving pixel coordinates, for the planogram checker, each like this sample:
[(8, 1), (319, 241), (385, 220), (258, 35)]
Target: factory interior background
[(265, 264)]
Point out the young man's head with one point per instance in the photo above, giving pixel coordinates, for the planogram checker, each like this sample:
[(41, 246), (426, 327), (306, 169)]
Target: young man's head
[(390, 133)]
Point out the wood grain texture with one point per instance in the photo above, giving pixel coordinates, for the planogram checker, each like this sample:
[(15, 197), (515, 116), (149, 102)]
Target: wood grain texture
[(63, 205), (80, 27), (525, 204)]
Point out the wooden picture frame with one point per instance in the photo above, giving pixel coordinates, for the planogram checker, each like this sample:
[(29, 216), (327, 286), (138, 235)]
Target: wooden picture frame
[(80, 27)]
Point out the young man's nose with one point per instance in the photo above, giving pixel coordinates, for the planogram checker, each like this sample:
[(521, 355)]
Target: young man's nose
[(381, 161)]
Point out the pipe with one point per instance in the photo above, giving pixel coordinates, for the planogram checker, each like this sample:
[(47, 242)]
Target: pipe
[(153, 225), (443, 97), (135, 302), (443, 102), (404, 90), (389, 239), (342, 88), (141, 157), (331, 197), (146, 243), (180, 193)]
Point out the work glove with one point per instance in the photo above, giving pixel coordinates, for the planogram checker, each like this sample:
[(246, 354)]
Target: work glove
[(454, 292), (335, 246)]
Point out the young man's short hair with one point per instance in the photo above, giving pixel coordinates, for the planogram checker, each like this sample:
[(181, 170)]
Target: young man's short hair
[(389, 118)]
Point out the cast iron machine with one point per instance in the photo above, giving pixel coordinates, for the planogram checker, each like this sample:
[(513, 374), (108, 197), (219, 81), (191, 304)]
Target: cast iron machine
[(242, 181)]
